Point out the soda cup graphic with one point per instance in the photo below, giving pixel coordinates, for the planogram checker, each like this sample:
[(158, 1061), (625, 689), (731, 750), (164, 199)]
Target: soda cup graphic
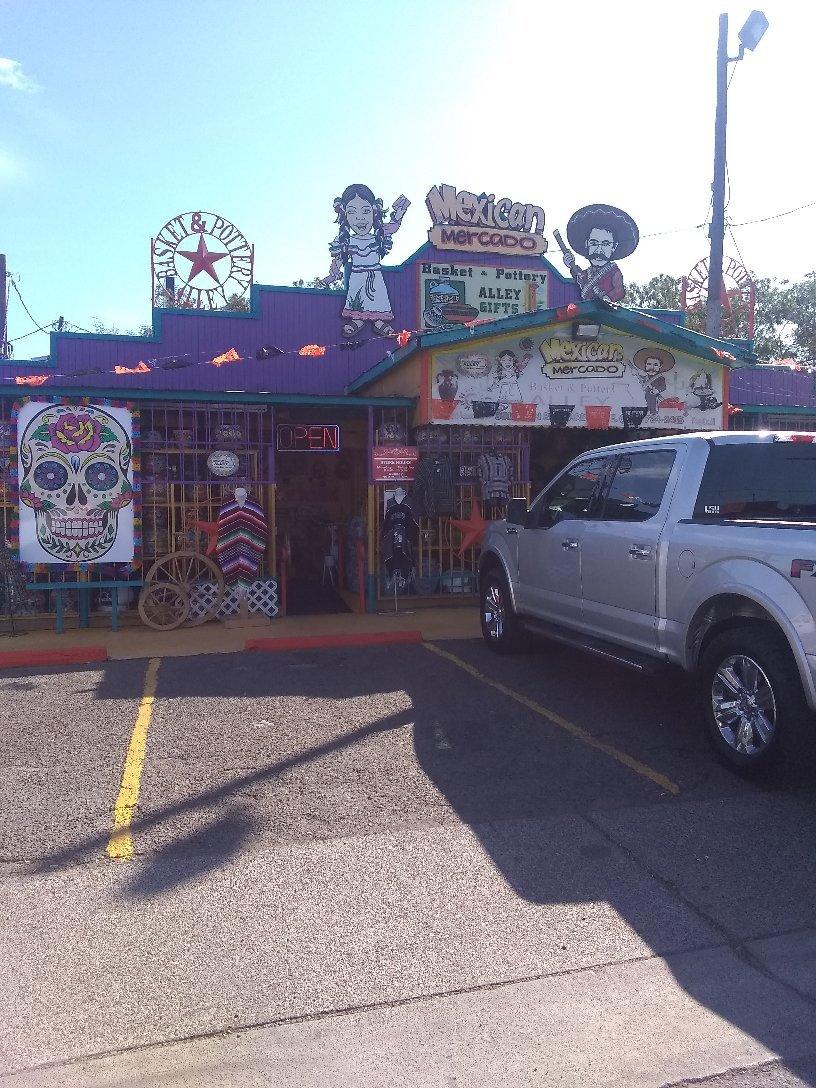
[(560, 414), (633, 417), (598, 416)]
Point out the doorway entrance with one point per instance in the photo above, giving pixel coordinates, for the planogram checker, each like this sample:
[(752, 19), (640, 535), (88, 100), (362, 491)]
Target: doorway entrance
[(322, 482)]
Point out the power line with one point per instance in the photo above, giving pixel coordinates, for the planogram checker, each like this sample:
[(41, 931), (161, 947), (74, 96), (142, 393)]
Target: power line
[(22, 303), (779, 215)]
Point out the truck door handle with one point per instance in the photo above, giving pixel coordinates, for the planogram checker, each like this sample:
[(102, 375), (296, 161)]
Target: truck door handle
[(637, 552), (570, 545)]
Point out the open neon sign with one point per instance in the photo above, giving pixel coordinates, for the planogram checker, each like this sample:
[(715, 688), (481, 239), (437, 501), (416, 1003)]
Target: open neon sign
[(308, 437)]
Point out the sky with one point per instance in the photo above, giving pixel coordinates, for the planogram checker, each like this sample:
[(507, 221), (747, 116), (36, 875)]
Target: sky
[(115, 116)]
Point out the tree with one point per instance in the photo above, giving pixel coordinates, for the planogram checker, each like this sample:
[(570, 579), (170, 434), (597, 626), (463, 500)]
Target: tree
[(784, 322), (101, 329)]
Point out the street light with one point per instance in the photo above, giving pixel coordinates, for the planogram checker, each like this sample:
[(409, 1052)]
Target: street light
[(750, 36)]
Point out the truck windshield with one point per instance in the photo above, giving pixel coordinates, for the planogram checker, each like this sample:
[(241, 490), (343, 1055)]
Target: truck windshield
[(759, 482)]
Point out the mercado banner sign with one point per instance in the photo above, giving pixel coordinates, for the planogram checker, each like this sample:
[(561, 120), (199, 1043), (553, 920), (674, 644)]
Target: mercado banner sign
[(451, 294), (551, 380), (482, 224), (76, 483), (393, 462)]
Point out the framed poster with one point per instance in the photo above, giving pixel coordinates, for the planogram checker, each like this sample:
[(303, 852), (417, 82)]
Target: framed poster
[(76, 483)]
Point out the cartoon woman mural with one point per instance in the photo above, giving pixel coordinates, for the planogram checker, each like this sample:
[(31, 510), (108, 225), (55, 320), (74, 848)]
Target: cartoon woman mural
[(504, 383), (362, 241)]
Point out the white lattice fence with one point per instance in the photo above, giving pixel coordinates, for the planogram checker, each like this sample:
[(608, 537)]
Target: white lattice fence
[(262, 596)]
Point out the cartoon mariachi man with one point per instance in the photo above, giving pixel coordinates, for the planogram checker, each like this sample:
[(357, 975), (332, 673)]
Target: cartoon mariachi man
[(363, 239), (652, 364), (700, 387), (598, 232)]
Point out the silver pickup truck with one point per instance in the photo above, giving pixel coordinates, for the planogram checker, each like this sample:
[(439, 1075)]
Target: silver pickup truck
[(697, 551)]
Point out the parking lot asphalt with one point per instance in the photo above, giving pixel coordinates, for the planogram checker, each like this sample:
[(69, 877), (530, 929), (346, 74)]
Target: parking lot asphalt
[(343, 830)]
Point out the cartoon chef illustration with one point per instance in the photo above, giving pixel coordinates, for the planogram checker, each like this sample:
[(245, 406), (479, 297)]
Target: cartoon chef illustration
[(701, 387), (599, 232)]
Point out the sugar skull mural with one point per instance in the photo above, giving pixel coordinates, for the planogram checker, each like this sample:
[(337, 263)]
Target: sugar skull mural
[(76, 484)]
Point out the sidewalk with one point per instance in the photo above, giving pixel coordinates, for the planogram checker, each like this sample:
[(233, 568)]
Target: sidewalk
[(214, 637)]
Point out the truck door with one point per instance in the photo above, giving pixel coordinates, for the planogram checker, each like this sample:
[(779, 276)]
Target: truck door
[(619, 549), (549, 547)]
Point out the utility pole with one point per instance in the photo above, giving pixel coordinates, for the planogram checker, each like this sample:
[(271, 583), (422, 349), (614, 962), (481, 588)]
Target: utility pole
[(749, 38), (5, 352), (716, 231)]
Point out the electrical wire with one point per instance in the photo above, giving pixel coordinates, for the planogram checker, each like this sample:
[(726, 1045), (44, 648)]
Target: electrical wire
[(739, 254), (779, 215), (22, 303)]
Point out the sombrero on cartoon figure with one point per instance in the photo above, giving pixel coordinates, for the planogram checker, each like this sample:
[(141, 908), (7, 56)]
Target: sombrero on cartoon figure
[(620, 225), (663, 356)]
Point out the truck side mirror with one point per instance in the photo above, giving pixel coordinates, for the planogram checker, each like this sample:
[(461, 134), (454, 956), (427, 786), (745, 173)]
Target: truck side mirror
[(516, 512)]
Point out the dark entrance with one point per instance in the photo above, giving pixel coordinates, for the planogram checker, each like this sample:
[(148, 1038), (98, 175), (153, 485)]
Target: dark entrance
[(322, 481)]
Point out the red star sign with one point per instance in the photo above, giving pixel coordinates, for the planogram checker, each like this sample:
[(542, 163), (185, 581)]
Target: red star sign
[(472, 530), (202, 259)]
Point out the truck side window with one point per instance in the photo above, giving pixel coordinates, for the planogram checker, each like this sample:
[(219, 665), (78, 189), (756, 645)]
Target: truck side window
[(638, 486), (759, 481), (572, 493)]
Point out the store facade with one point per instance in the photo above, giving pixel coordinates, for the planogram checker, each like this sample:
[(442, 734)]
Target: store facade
[(383, 439)]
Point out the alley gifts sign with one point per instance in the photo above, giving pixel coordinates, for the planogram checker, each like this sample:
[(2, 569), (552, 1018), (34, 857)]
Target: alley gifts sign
[(550, 380), (76, 483), (479, 223), (393, 463), (451, 294)]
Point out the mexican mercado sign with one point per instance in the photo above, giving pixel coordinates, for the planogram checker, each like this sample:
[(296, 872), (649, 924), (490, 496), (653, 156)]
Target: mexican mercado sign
[(482, 224), (552, 380), (76, 483), (200, 260), (452, 294)]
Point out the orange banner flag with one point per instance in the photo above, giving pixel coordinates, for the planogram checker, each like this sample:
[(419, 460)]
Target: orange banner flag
[(140, 368), (230, 356)]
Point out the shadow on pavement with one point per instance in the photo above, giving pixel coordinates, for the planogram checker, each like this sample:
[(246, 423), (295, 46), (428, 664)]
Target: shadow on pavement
[(184, 859), (725, 864)]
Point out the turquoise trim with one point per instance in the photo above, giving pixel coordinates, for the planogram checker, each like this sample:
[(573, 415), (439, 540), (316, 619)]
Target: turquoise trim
[(635, 322), (776, 409), (215, 397)]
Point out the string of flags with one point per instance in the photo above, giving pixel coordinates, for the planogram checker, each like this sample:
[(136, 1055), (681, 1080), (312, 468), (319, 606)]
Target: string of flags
[(269, 351), (177, 362)]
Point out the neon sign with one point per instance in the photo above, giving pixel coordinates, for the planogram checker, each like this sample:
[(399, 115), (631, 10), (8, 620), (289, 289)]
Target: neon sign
[(307, 438)]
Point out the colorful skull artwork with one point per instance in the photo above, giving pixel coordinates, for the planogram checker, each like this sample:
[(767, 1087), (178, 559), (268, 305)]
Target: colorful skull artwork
[(75, 475)]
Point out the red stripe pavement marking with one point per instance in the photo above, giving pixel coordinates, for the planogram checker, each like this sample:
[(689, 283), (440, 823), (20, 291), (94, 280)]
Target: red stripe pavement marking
[(322, 642), (78, 655)]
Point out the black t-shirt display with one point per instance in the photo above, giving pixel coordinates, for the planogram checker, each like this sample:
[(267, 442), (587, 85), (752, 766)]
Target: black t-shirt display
[(399, 535)]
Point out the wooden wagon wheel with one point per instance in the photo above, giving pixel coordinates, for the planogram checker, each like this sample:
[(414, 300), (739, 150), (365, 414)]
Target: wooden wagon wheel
[(163, 606), (184, 569)]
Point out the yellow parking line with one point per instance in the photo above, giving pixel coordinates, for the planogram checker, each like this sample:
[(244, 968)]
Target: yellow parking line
[(562, 723), (121, 842)]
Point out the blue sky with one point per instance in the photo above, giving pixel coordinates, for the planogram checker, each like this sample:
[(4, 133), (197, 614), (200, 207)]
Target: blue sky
[(114, 116)]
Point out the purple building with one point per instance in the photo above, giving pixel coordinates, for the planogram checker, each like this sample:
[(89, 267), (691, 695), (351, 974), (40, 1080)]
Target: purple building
[(482, 358)]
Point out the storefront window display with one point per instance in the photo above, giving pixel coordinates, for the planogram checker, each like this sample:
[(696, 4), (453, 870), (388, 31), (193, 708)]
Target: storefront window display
[(458, 475)]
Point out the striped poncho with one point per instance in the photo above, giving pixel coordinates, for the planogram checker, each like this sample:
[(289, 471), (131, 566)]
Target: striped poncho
[(241, 541)]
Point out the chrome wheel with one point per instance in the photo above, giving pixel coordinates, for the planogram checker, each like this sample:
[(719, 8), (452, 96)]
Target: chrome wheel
[(493, 611), (744, 705)]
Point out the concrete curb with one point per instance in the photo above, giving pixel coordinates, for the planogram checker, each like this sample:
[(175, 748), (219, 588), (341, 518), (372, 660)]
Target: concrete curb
[(75, 655), (323, 642)]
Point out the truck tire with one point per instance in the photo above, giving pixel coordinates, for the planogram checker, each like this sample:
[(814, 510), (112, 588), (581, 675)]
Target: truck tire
[(752, 697), (500, 626)]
